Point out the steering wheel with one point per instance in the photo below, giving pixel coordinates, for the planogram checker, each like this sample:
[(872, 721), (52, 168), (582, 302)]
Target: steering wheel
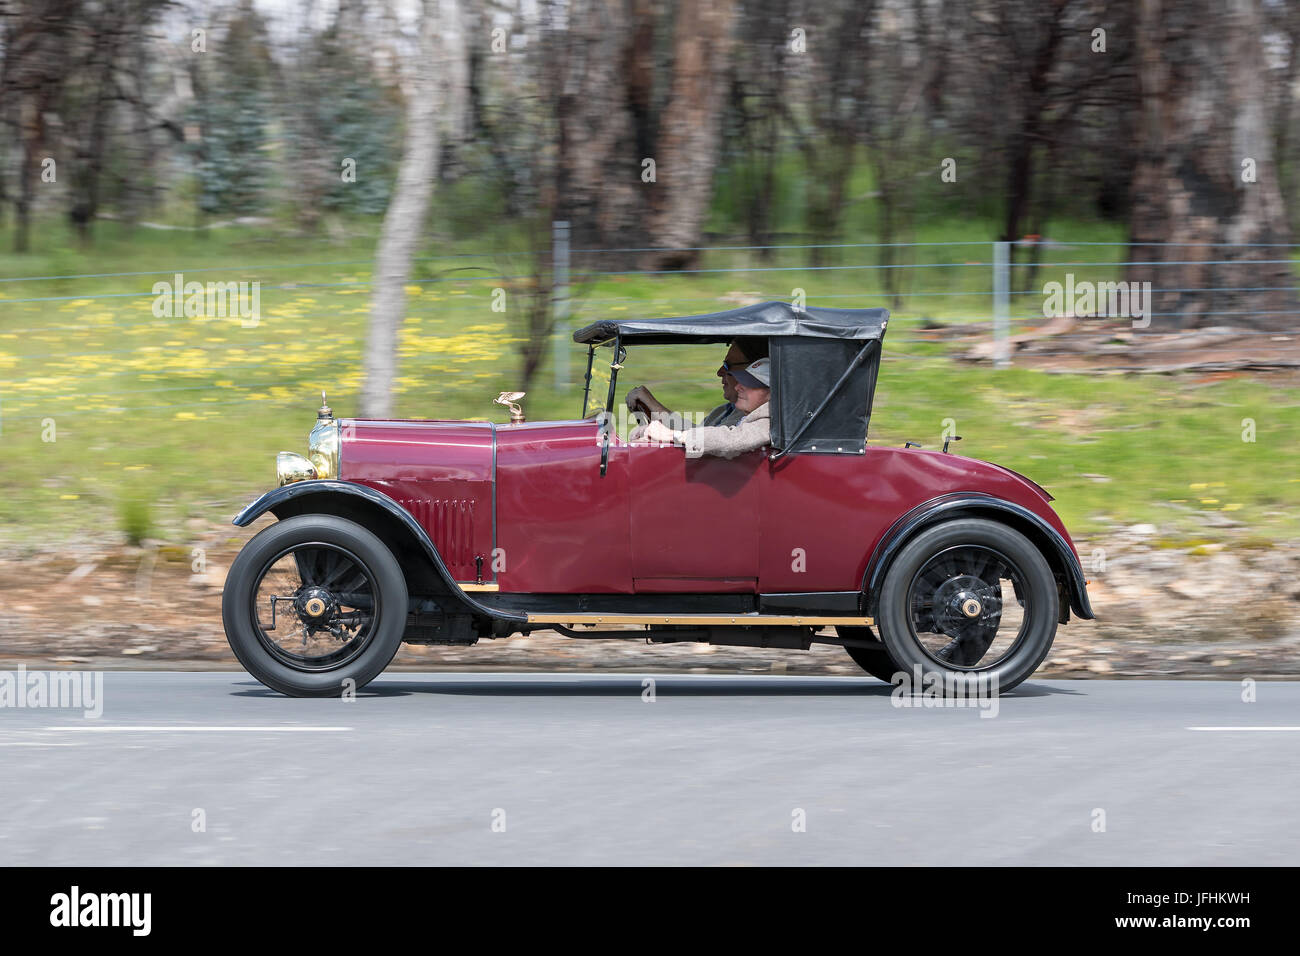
[(636, 406)]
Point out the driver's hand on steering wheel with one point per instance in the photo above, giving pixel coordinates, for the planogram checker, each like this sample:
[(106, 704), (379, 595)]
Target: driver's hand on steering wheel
[(657, 431)]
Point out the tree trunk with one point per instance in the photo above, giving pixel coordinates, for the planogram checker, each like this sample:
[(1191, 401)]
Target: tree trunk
[(886, 199), (404, 220), (689, 130), (1020, 170), (90, 154), (830, 173), (601, 97), (34, 73), (28, 172), (1202, 74)]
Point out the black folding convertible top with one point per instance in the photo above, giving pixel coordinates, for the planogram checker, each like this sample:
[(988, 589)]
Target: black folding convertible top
[(769, 319), (824, 365)]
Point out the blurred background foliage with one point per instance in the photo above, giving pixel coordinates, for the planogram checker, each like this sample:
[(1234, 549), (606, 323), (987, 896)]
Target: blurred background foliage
[(799, 118), (195, 135)]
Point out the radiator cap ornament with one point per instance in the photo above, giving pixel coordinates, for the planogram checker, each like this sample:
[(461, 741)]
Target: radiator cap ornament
[(508, 399)]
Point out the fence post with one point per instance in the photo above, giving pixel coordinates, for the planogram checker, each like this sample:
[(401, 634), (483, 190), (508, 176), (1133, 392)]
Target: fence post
[(560, 301), (1001, 304)]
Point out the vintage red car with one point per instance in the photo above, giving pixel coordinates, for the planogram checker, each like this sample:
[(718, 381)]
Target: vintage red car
[(450, 532)]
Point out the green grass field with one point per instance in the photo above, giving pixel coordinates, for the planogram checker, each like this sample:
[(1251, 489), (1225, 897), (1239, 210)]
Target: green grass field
[(113, 420)]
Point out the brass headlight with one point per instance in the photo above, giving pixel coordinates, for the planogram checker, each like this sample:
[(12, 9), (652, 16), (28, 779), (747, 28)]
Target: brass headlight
[(290, 467), (323, 443)]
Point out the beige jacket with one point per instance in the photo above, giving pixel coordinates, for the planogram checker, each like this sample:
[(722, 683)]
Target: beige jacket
[(724, 414), (727, 441)]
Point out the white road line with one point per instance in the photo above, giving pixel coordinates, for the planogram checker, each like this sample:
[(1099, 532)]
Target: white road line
[(1244, 728), (191, 729), (36, 743)]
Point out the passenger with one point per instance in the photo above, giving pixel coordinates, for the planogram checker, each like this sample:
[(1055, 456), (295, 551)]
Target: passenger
[(742, 352), (753, 431)]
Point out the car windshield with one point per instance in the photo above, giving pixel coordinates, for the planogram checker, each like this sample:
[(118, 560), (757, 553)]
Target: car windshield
[(684, 378), (597, 389)]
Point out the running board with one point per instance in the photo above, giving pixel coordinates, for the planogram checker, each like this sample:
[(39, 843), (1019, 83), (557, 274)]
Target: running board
[(697, 620)]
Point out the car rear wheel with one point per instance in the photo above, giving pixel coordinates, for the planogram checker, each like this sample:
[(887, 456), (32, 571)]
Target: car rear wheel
[(314, 606), (969, 599), (874, 660)]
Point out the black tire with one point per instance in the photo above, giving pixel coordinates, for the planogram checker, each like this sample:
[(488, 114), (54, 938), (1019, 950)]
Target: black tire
[(965, 550), (361, 554), (874, 660)]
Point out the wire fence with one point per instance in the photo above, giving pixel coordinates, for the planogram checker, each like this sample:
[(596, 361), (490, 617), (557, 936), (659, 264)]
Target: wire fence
[(997, 293)]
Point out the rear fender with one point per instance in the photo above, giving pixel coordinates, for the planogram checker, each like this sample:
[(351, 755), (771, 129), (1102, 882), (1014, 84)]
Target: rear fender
[(1054, 547)]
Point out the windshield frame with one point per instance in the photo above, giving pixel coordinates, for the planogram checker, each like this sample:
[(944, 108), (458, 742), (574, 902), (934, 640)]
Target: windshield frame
[(607, 426)]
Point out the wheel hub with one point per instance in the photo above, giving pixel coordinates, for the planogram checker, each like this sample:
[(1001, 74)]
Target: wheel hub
[(959, 604), (967, 609), (956, 607), (315, 605)]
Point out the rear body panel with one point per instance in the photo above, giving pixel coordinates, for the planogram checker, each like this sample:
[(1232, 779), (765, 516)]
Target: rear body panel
[(834, 511)]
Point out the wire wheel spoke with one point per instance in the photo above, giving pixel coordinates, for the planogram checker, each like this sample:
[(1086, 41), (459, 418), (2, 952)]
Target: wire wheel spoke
[(958, 615), (315, 606), (338, 568)]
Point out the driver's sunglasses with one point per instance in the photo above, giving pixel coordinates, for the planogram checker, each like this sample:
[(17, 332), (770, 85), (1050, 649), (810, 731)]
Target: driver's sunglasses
[(731, 367)]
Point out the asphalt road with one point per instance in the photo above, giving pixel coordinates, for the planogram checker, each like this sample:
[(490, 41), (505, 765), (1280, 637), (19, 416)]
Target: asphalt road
[(425, 769)]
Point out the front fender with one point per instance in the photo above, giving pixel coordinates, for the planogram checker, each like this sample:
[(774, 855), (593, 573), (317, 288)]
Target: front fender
[(1060, 555), (323, 496), (272, 500)]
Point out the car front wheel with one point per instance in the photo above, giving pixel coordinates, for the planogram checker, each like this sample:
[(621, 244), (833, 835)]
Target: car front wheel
[(314, 606), (969, 599)]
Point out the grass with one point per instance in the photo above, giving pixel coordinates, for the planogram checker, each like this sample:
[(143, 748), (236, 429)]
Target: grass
[(115, 421), (136, 520)]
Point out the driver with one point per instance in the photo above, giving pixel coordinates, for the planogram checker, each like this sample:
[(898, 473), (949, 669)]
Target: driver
[(742, 353), (753, 431)]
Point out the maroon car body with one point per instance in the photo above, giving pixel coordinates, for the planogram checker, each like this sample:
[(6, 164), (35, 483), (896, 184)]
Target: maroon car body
[(505, 528), (534, 491)]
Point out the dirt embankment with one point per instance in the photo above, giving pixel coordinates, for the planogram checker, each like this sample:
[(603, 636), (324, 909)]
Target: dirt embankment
[(1209, 611), (1067, 343)]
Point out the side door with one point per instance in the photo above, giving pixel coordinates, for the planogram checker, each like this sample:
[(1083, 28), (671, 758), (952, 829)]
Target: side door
[(561, 527), (695, 522)]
